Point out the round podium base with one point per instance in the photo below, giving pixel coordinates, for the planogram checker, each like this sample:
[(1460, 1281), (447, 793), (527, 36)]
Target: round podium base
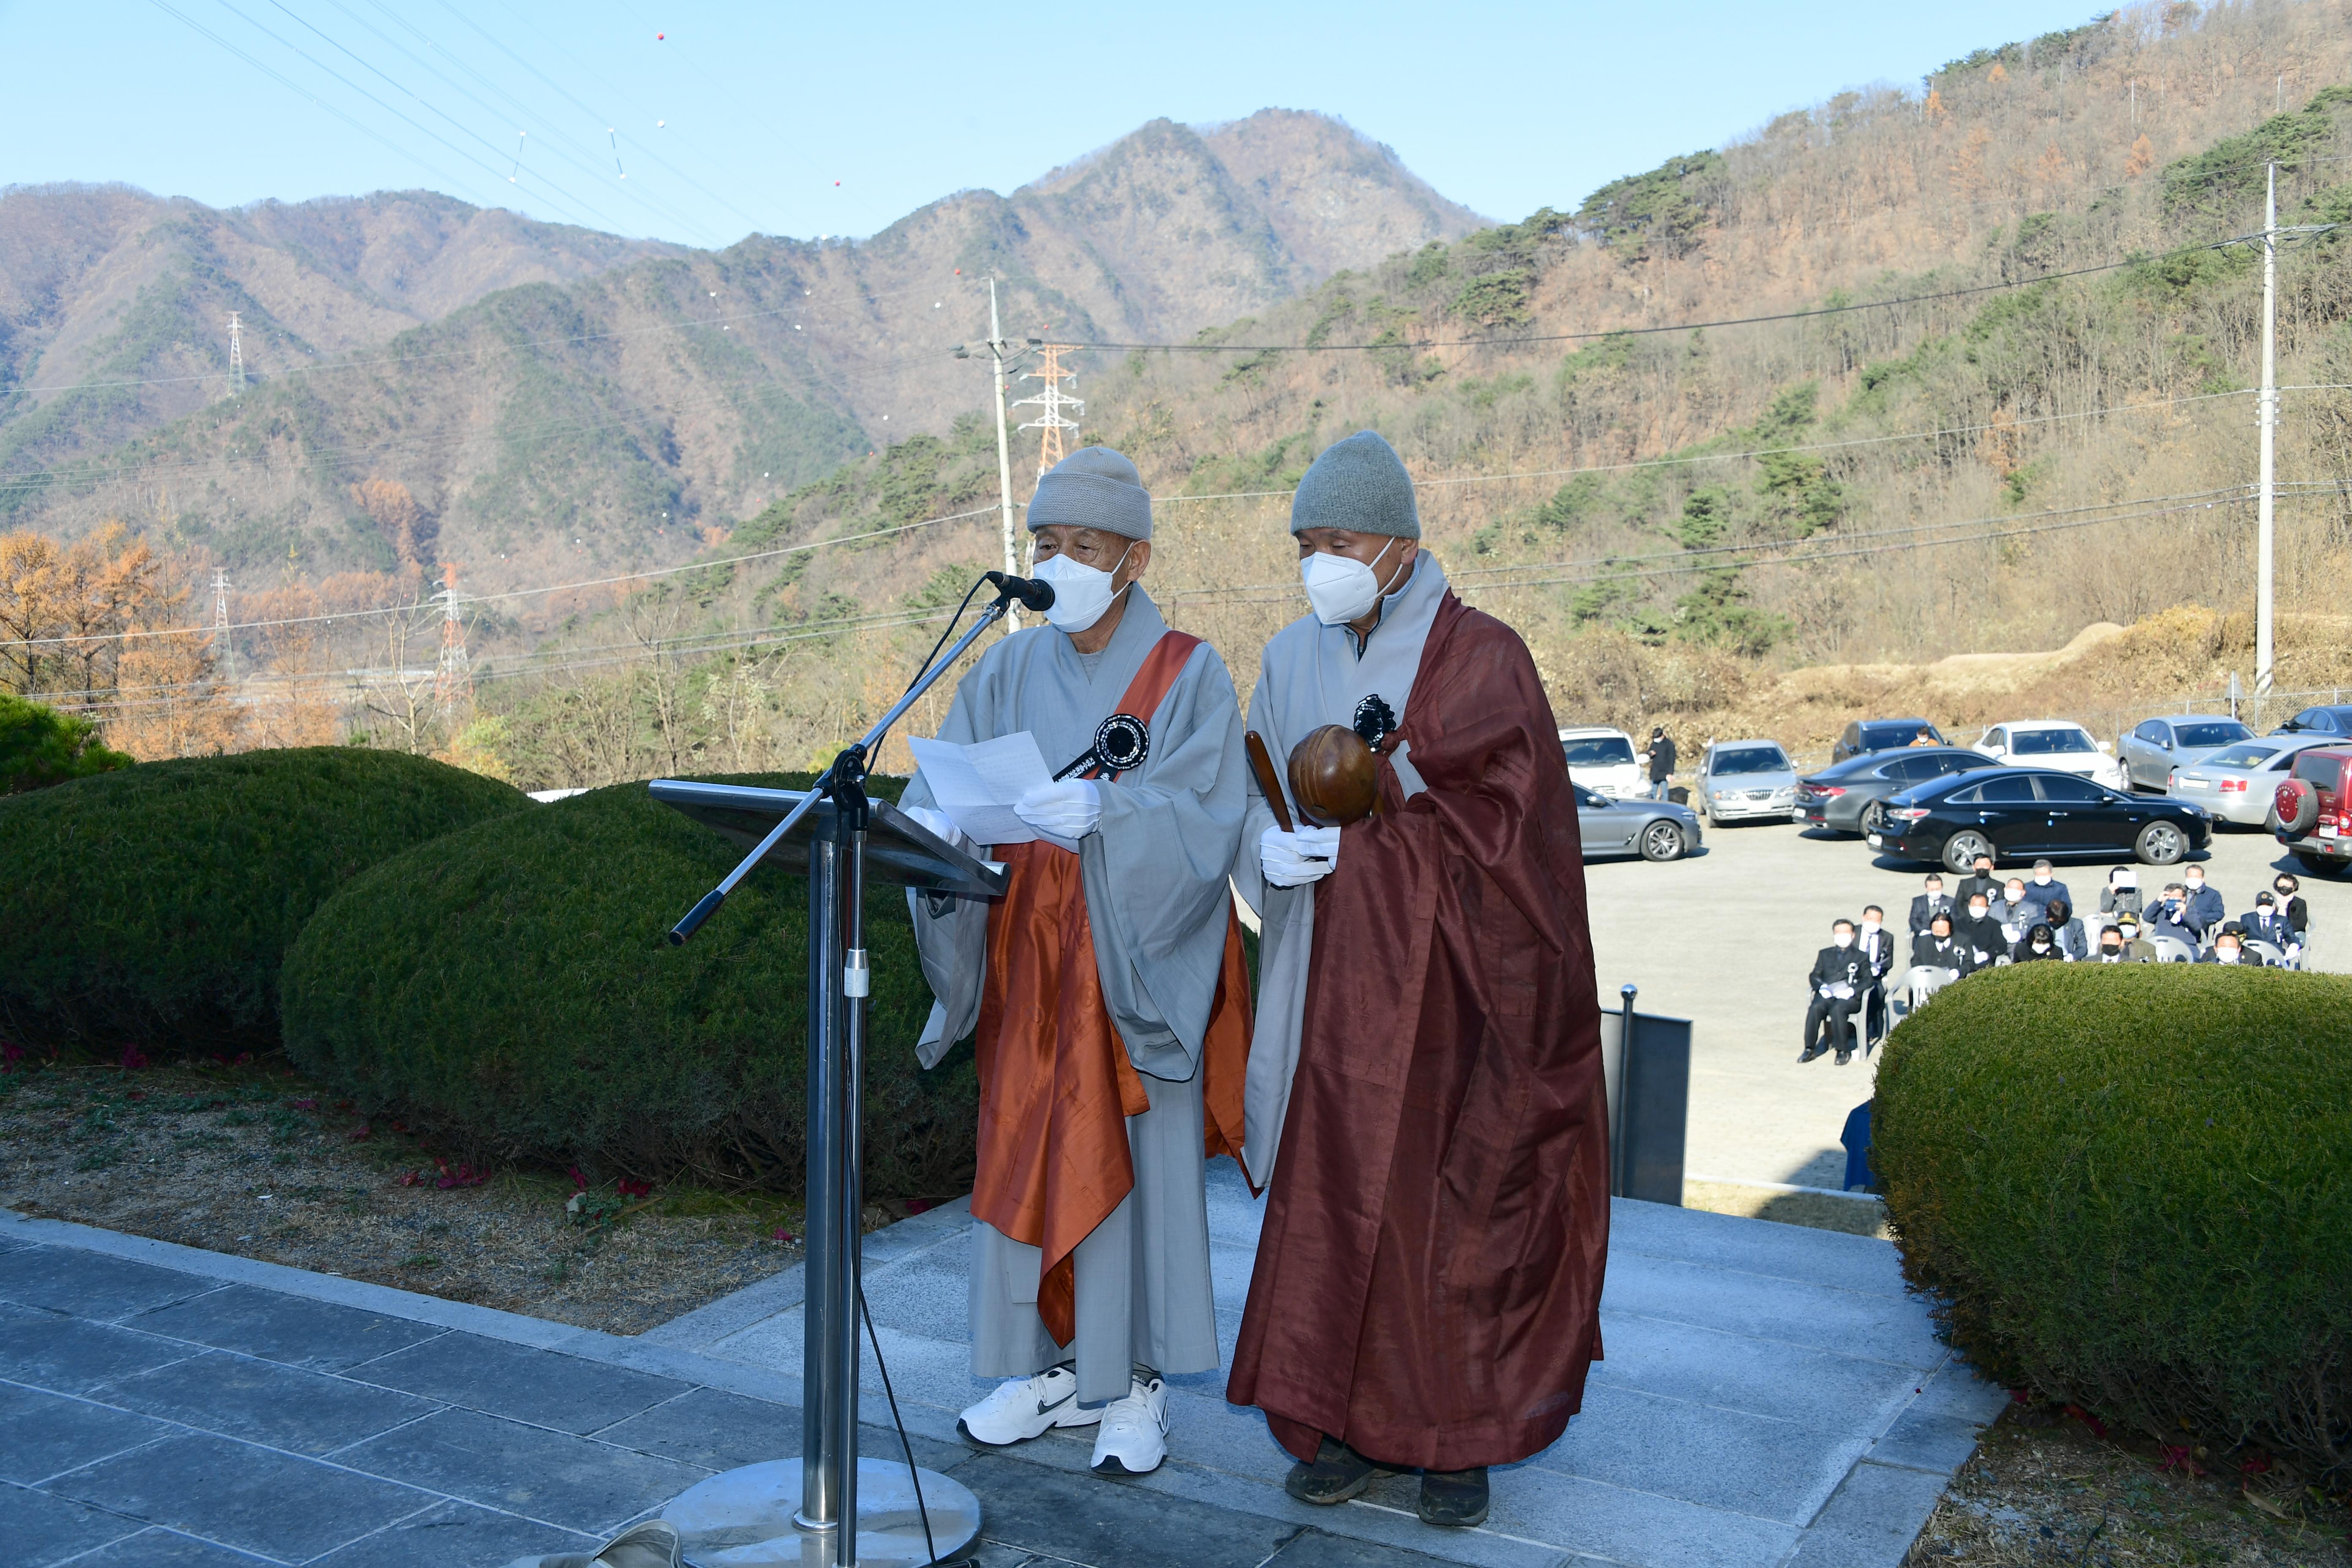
[(743, 1519)]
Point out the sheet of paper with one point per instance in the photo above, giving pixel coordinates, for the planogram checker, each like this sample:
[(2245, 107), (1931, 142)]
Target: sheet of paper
[(977, 784)]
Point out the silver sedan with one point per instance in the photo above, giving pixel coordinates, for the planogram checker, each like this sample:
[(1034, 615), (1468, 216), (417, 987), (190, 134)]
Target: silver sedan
[(1653, 830), (2237, 783), (1742, 779)]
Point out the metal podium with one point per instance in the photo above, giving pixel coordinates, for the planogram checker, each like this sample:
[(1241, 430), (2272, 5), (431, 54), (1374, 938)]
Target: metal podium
[(786, 1511), (849, 1511)]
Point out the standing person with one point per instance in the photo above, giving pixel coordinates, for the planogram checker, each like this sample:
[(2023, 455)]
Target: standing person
[(1661, 762), (1980, 879), (1928, 905), (1425, 1095), (1840, 977), (1107, 988)]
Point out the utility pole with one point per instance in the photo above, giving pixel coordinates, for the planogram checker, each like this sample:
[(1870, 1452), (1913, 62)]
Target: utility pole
[(1051, 401), (235, 355), (453, 676), (996, 346), (223, 647), (2265, 503)]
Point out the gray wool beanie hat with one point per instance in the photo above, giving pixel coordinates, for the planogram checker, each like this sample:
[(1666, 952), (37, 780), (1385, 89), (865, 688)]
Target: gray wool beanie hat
[(1359, 484), (1094, 487)]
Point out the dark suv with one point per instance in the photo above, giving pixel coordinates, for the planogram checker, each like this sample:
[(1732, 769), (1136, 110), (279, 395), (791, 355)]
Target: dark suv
[(1882, 735), (2315, 809)]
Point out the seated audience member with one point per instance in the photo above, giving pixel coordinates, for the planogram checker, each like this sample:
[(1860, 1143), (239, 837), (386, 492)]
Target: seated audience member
[(2230, 947), (1840, 979), (1980, 935), (1938, 958), (1980, 879), (2138, 949), (2269, 923), (2045, 886), (2036, 946), (2013, 912), (2112, 949), (2121, 895), (2073, 944), (2289, 888), (2206, 909), (1876, 943), (1928, 905), (2169, 916)]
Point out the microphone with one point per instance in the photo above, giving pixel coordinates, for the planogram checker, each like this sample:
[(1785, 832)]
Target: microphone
[(1034, 593)]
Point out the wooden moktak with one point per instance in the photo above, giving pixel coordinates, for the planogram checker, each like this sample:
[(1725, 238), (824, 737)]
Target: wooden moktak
[(1332, 777)]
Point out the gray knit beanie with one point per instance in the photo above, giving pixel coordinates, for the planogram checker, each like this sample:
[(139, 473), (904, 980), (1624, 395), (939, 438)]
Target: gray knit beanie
[(1359, 484), (1094, 487)]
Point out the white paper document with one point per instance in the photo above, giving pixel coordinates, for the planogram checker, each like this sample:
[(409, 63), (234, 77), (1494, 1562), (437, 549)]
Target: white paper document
[(977, 784)]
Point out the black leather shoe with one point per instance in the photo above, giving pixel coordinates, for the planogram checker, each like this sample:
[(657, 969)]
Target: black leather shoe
[(1812, 1051), (1337, 1474), (1843, 1058), (1452, 1497)]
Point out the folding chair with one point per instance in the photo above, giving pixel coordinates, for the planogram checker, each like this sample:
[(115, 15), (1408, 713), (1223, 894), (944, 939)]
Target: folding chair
[(2270, 953), (2172, 950)]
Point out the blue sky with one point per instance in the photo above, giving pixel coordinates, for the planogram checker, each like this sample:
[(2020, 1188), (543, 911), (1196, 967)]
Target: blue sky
[(804, 120)]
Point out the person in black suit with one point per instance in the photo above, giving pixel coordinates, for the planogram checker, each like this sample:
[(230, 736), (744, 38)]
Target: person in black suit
[(1928, 905), (2289, 888), (1840, 980), (1877, 945), (2270, 924), (1980, 879), (2230, 947), (1938, 958), (1979, 934), (2038, 944)]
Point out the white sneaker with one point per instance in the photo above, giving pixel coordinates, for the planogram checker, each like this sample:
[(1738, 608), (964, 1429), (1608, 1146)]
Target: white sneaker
[(1026, 1406), (1134, 1435)]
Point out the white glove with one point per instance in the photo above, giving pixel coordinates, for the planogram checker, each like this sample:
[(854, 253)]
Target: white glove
[(938, 824), (1295, 859), (1070, 809)]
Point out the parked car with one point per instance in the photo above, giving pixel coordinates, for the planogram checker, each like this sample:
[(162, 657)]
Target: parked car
[(1739, 780), (2328, 719), (1866, 735), (1844, 795), (2238, 783), (2155, 747), (1602, 758), (2052, 743), (2014, 813), (2315, 809), (1653, 830)]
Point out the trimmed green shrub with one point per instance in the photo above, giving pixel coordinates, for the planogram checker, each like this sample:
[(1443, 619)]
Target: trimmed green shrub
[(513, 985), (40, 746), (150, 908), (2130, 1187)]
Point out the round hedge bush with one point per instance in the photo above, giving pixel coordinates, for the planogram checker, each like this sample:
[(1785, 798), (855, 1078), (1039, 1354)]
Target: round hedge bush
[(2130, 1187), (149, 908), (513, 985)]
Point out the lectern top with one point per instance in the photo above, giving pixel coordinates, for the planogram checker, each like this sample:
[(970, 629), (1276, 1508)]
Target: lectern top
[(899, 849)]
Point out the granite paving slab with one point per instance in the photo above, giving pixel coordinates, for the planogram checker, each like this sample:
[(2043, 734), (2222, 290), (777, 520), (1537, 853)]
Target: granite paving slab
[(1771, 1396)]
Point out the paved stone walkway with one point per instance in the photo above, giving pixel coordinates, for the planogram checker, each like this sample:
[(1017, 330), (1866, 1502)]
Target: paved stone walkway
[(1770, 1397)]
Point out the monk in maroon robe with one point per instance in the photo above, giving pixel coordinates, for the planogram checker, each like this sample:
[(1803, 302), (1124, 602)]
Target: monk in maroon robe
[(1428, 1280)]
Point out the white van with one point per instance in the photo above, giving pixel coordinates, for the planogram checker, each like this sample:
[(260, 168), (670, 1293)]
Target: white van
[(1603, 760)]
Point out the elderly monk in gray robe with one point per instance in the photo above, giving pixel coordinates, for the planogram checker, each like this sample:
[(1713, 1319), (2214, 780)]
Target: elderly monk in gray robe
[(1107, 986)]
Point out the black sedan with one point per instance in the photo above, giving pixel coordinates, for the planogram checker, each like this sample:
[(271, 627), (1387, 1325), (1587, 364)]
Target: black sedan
[(1841, 796), (2328, 719), (2012, 813)]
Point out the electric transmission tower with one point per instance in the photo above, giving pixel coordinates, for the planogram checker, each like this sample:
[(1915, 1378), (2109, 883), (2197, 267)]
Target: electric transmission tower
[(235, 355), (1051, 420), (453, 676), (223, 647)]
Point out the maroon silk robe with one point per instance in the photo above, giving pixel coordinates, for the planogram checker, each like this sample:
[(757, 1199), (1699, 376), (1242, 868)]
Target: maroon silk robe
[(1428, 1280)]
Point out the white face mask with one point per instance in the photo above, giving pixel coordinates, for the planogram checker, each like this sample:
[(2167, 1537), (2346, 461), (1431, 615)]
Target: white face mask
[(2195, 883), (1081, 593), (2041, 878), (1868, 926), (1340, 587), (2042, 947), (1843, 938)]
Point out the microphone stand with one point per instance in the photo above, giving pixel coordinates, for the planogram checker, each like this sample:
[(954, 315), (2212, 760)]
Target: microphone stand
[(829, 1463)]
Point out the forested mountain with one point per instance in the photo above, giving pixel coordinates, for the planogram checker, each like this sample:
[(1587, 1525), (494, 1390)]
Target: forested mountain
[(530, 385)]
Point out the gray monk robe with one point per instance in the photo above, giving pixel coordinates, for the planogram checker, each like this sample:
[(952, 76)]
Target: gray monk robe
[(1164, 941)]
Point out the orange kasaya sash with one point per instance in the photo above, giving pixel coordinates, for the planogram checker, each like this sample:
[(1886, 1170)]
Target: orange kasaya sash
[(1055, 1084)]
